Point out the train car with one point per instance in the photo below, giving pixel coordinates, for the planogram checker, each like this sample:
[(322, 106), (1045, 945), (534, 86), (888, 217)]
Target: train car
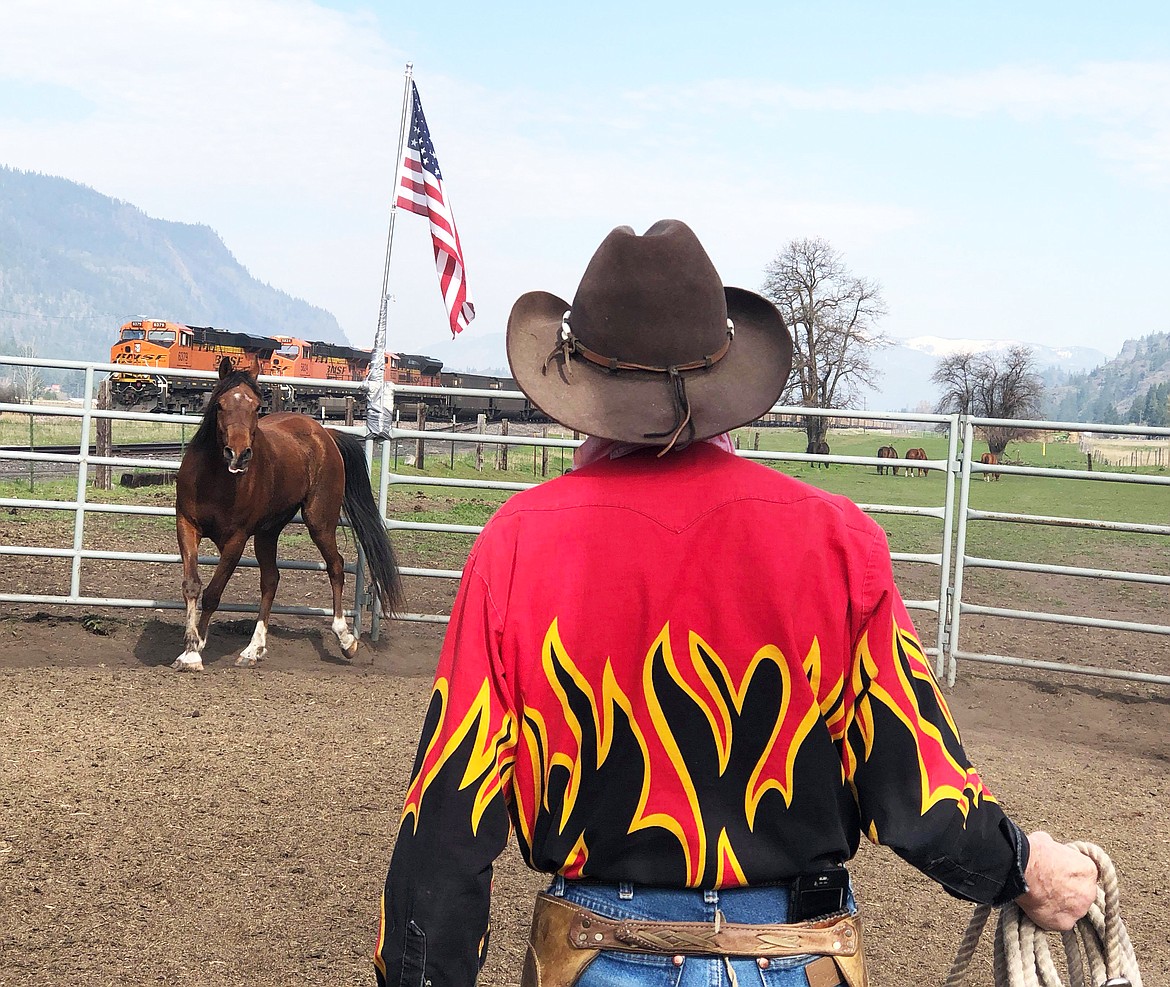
[(319, 361), (466, 407), (146, 343)]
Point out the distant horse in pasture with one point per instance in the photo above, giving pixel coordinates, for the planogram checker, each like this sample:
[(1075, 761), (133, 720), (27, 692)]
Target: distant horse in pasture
[(919, 455), (818, 449), (243, 475), (887, 452), (990, 459)]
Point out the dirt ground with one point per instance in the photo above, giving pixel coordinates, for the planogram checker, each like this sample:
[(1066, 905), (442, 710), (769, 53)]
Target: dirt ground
[(233, 827)]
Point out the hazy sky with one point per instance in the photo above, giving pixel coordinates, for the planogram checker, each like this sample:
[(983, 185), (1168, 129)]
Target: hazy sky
[(1002, 169)]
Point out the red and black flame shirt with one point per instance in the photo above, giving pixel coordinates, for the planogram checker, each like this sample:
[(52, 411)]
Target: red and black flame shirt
[(686, 671)]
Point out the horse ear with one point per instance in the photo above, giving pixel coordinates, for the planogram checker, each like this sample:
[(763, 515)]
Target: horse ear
[(225, 367)]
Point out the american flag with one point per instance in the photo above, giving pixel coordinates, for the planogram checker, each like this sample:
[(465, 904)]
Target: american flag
[(420, 189)]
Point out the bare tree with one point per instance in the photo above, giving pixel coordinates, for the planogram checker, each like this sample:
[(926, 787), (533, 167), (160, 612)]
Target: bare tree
[(7, 392), (29, 382), (991, 385), (833, 317)]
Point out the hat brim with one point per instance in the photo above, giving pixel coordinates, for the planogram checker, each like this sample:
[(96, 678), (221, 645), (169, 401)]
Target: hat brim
[(628, 405)]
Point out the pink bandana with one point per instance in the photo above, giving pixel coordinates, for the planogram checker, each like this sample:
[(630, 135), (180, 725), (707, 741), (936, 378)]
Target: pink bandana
[(595, 448)]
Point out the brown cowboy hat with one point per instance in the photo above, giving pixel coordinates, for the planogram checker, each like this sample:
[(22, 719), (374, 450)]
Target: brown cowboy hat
[(653, 349)]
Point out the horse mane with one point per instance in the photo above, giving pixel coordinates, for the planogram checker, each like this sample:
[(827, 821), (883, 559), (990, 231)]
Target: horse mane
[(205, 434)]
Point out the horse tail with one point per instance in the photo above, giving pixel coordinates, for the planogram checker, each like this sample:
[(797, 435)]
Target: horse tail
[(366, 520)]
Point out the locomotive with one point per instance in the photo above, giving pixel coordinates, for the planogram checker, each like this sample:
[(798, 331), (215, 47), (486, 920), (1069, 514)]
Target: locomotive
[(145, 343)]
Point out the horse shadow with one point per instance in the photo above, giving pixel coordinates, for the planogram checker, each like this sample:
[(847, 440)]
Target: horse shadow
[(159, 641)]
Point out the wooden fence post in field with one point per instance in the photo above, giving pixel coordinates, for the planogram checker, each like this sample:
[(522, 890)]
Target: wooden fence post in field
[(480, 427), (102, 478), (544, 453), (349, 410), (504, 447), (420, 444), (756, 440), (452, 443)]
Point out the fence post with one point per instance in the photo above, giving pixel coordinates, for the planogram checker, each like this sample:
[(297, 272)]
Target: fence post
[(420, 444), (452, 444), (102, 479), (480, 427), (544, 453), (504, 447), (348, 410)]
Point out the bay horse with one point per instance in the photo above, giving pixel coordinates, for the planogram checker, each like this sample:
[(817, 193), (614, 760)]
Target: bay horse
[(819, 449), (887, 452), (990, 459), (917, 454), (243, 475)]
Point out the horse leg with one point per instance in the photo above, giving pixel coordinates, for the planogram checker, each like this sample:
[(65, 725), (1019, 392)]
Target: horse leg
[(229, 557), (191, 659), (324, 535), (257, 648)]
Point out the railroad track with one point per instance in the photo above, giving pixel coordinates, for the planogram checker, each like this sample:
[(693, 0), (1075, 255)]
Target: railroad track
[(133, 450)]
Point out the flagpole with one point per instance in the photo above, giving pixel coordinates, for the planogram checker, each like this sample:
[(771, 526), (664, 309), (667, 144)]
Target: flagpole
[(376, 409), (394, 196)]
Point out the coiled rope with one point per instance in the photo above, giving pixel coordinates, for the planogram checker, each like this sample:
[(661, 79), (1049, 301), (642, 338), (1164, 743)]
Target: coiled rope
[(1097, 950)]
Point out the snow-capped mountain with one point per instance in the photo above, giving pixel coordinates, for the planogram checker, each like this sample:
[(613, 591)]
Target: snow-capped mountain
[(904, 368), (1070, 358)]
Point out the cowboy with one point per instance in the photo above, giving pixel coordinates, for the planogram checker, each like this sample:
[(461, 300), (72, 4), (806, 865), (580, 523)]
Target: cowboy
[(686, 681)]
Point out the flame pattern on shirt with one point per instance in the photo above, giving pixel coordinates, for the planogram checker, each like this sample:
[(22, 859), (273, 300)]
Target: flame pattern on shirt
[(491, 750), (944, 772)]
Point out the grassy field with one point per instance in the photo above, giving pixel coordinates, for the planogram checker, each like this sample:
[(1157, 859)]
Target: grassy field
[(424, 503), (18, 429)]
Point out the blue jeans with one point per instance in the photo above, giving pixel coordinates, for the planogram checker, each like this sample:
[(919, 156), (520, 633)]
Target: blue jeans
[(755, 906)]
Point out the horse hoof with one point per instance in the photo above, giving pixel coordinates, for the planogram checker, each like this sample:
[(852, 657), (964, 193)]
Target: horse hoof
[(187, 663), (352, 650), (247, 661)]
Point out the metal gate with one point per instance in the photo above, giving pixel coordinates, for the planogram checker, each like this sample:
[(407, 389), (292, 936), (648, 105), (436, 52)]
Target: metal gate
[(971, 466)]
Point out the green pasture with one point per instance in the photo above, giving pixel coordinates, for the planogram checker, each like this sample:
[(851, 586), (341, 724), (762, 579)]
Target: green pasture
[(20, 429), (415, 501)]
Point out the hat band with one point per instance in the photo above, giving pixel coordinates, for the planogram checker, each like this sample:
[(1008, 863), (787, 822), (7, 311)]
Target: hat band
[(568, 345)]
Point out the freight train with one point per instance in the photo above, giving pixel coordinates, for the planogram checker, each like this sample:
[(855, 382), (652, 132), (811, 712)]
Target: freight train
[(145, 344)]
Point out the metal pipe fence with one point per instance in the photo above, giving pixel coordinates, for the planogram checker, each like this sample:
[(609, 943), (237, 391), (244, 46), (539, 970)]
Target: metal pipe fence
[(80, 505), (953, 514), (961, 605)]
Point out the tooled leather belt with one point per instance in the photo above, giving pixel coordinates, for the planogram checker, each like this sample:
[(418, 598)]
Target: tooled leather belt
[(838, 935)]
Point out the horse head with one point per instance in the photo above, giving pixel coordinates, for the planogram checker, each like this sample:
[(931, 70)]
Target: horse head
[(235, 404)]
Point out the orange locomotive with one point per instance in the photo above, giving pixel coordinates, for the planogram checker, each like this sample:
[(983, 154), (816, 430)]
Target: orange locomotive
[(144, 343)]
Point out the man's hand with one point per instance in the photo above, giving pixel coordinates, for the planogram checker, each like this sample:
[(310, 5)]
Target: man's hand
[(1062, 884)]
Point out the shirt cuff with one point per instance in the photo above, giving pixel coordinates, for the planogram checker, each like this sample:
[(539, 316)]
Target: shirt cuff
[(1014, 885)]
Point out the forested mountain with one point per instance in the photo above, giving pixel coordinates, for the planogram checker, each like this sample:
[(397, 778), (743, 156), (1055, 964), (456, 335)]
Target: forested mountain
[(76, 264), (1132, 388)]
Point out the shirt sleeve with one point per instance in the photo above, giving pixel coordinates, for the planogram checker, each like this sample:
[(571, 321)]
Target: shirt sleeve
[(916, 789), (435, 905)]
